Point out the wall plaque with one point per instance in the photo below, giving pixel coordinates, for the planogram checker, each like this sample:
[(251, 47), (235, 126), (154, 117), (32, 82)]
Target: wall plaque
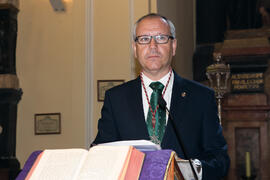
[(104, 85), (49, 123), (247, 82)]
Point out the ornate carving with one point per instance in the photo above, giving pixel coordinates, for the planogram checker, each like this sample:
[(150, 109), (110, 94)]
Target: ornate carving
[(9, 81), (10, 94), (14, 3)]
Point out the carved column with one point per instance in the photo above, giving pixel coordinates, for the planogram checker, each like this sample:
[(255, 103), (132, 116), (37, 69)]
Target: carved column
[(10, 93)]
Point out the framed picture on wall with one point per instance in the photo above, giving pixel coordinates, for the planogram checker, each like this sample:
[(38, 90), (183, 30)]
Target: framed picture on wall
[(49, 123), (104, 85)]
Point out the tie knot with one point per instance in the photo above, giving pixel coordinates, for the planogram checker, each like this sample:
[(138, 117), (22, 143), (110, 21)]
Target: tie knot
[(157, 86)]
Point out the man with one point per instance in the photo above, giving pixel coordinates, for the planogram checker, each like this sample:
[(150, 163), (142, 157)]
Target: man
[(128, 112)]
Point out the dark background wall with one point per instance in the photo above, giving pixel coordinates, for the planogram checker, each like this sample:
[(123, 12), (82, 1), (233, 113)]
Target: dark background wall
[(215, 17)]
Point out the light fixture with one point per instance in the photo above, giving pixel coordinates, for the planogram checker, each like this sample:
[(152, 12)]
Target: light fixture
[(218, 75), (58, 5)]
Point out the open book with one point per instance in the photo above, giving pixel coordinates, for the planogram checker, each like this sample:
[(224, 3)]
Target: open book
[(100, 162), (145, 146), (157, 161)]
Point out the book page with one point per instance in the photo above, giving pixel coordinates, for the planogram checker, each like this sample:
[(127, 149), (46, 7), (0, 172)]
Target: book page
[(142, 145), (59, 164), (104, 162)]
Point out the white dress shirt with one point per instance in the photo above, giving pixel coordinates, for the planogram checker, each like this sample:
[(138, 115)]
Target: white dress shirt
[(166, 96)]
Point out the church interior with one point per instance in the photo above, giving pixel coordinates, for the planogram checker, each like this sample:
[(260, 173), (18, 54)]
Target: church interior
[(58, 57)]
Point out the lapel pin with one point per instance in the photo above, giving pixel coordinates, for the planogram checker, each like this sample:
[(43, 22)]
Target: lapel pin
[(183, 94)]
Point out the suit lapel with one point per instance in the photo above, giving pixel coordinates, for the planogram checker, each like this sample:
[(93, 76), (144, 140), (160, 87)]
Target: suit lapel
[(177, 108), (179, 97), (135, 102)]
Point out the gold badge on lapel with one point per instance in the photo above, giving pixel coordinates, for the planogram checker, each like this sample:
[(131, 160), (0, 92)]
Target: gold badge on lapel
[(183, 94)]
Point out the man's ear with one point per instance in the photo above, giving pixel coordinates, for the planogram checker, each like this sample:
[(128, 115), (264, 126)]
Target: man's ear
[(134, 49), (174, 46)]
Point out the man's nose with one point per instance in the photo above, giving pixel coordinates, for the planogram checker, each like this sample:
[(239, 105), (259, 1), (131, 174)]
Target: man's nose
[(153, 43)]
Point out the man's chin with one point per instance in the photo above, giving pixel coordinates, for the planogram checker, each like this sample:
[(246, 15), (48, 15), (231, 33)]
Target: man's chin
[(154, 66), (156, 70)]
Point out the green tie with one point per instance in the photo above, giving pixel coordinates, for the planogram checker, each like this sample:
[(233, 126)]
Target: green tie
[(156, 134)]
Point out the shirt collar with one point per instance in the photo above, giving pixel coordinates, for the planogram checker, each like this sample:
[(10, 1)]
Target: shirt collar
[(147, 81)]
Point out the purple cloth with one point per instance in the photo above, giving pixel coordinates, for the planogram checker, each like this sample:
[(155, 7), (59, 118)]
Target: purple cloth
[(155, 165), (28, 164)]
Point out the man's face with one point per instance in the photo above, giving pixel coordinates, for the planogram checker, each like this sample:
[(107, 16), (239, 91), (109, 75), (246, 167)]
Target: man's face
[(154, 58)]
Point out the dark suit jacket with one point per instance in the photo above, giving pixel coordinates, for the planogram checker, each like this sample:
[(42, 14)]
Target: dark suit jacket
[(195, 115)]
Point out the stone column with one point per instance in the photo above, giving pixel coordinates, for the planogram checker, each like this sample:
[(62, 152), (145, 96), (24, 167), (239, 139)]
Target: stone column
[(10, 93)]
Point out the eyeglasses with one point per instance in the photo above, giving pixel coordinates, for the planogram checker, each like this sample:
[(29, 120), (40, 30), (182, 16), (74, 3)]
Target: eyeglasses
[(160, 39)]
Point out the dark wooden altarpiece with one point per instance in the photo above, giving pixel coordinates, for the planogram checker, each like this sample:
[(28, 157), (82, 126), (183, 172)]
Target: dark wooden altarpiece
[(246, 107), (245, 127)]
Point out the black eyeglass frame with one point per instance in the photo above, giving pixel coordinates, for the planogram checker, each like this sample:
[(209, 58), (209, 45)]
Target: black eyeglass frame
[(151, 37)]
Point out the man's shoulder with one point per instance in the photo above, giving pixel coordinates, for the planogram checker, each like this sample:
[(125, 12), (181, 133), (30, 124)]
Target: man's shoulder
[(192, 85), (198, 85), (125, 86)]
